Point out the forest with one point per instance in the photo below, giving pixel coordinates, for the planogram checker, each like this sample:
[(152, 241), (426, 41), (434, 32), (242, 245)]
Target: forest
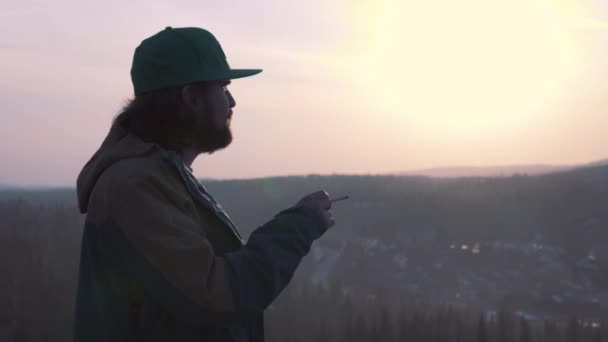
[(519, 258)]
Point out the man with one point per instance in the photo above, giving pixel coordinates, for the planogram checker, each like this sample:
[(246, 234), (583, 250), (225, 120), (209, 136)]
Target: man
[(161, 260)]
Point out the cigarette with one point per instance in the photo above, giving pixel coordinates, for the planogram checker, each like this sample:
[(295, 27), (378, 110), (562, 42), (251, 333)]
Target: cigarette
[(338, 199)]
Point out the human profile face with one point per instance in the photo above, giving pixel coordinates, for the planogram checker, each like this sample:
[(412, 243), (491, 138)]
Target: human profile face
[(219, 103), (212, 106)]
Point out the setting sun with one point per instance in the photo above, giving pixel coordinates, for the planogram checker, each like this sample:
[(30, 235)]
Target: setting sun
[(366, 86), (465, 67)]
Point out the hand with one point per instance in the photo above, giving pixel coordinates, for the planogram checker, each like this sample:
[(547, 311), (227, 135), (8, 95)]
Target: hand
[(319, 202)]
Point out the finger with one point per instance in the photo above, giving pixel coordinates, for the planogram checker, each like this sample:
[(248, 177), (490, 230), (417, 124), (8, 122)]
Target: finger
[(325, 204), (321, 194), (329, 219), (315, 196)]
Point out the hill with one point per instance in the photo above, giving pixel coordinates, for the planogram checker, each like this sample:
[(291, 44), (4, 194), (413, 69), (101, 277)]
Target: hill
[(491, 171), (533, 242)]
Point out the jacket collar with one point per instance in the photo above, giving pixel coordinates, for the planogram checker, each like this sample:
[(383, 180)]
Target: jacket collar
[(200, 194)]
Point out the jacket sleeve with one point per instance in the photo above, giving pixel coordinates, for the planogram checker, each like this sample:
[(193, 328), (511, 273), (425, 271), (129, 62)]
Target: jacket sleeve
[(264, 267), (176, 251)]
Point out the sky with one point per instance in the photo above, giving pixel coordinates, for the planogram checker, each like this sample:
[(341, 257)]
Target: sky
[(348, 87)]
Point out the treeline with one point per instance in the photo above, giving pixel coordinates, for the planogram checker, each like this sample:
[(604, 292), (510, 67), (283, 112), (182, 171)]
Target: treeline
[(317, 314), (39, 258)]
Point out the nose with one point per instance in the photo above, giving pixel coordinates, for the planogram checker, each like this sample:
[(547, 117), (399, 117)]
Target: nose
[(231, 101)]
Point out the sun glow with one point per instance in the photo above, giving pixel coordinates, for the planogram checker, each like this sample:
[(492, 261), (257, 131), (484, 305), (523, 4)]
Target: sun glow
[(470, 66)]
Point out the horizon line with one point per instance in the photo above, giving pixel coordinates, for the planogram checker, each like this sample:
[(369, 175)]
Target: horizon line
[(407, 173)]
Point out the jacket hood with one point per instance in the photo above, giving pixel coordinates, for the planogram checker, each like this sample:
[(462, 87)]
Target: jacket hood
[(118, 145)]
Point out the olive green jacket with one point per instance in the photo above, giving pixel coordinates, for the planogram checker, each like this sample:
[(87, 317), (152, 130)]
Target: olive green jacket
[(162, 261)]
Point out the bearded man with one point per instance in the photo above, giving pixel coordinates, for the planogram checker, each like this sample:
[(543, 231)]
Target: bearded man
[(160, 259)]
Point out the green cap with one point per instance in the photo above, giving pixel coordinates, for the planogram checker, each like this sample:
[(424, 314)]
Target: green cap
[(179, 56)]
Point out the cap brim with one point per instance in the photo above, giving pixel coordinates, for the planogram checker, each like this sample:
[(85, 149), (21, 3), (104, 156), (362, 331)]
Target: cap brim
[(240, 73)]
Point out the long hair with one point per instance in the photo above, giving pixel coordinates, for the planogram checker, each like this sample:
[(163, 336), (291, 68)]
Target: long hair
[(160, 117)]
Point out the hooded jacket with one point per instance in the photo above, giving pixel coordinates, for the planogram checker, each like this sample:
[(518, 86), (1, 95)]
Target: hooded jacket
[(162, 261)]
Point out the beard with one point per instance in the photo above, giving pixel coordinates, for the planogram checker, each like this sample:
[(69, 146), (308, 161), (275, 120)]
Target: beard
[(208, 137)]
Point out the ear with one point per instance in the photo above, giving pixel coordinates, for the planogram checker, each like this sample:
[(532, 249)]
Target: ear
[(190, 97)]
